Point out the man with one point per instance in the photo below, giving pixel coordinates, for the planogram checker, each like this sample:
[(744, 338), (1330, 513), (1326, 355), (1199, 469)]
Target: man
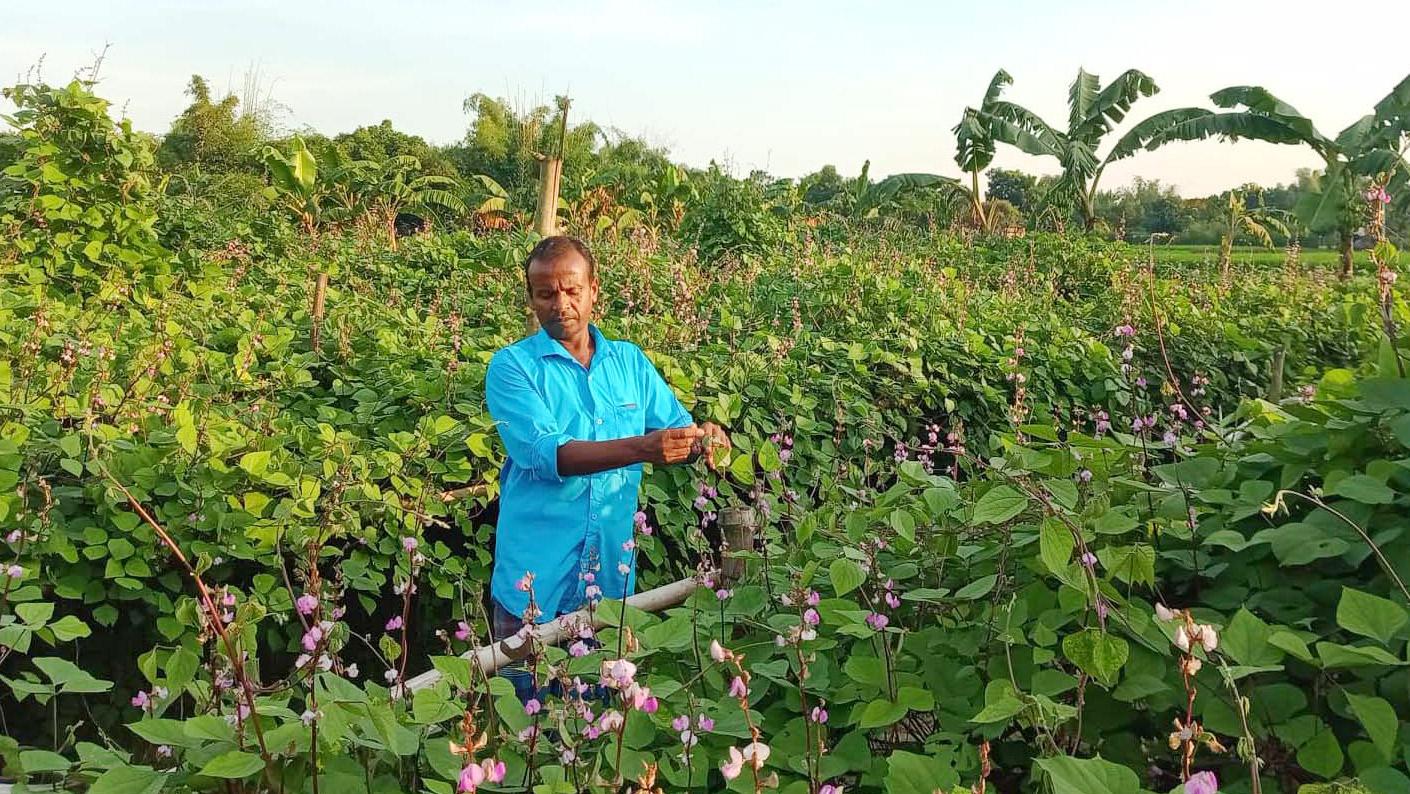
[(578, 414)]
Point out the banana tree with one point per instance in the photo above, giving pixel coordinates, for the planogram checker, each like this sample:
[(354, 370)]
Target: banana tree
[(977, 137), (1093, 112), (294, 183), (1255, 221), (860, 199), (396, 185), (1371, 149)]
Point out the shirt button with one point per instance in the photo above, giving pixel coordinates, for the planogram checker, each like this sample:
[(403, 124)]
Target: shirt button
[(593, 517), (599, 420)]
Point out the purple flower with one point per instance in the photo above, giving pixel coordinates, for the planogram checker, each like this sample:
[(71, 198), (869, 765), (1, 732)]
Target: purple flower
[(408, 543), (307, 603), (1141, 382), (1125, 330), (891, 600), (312, 637), (578, 649), (1085, 475), (877, 620), (394, 624), (15, 571), (1089, 559), (784, 455), (1202, 783), (701, 502), (818, 715), (723, 594), (462, 631), (813, 598), (737, 688), (811, 617), (680, 723), (1170, 438), (532, 707), (704, 723), (141, 700)]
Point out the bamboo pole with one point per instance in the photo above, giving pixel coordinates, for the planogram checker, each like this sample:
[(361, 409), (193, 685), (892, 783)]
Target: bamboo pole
[(737, 523)]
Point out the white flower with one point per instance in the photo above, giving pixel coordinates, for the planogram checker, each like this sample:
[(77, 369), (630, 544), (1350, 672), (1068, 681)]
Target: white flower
[(718, 651), (1182, 640), (1163, 612), (352, 670), (756, 753), (1208, 638)]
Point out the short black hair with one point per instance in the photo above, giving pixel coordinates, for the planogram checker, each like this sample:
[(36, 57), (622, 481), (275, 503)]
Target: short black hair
[(550, 249)]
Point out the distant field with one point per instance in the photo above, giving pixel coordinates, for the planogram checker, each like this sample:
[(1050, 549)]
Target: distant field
[(1249, 255)]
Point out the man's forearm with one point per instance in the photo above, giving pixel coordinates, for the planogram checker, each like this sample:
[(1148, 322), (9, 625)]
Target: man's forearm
[(590, 457)]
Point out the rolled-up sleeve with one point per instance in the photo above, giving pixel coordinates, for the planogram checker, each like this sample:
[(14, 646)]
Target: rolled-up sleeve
[(663, 407), (530, 433)]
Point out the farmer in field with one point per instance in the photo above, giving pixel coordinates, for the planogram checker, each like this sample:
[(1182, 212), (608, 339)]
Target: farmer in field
[(578, 414)]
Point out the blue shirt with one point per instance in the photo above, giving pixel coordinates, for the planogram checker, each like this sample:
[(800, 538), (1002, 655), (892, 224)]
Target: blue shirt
[(557, 527)]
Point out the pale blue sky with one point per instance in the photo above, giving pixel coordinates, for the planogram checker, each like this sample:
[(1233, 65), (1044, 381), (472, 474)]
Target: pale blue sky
[(786, 86)]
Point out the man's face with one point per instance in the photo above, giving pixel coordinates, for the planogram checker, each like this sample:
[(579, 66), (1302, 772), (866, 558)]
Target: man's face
[(562, 294)]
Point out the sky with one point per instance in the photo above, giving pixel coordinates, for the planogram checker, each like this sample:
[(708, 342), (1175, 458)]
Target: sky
[(782, 86)]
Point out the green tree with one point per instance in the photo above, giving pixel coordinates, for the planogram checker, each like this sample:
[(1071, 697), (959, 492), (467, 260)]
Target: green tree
[(387, 188), (1371, 148), (981, 130), (380, 142), (504, 143), (1093, 112), (216, 136), (1015, 187), (821, 186)]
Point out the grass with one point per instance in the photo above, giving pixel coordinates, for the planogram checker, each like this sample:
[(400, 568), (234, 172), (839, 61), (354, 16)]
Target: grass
[(1251, 255)]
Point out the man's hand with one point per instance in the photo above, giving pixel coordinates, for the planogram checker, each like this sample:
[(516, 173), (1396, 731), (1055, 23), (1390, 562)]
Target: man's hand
[(672, 445), (713, 443)]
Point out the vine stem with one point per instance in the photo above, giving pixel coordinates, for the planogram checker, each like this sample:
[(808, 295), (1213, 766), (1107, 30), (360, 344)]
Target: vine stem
[(212, 613), (1384, 563)]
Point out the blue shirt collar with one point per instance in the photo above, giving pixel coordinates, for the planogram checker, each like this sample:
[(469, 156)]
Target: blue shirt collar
[(545, 345)]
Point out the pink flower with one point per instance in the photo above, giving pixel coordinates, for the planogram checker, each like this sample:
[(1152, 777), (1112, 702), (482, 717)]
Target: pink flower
[(818, 715), (470, 778), (618, 673), (1089, 559), (610, 721), (680, 723), (1125, 330), (629, 545), (15, 571), (312, 637), (1202, 783), (306, 603), (737, 688), (828, 788), (623, 568), (704, 723), (723, 594), (592, 591), (394, 624), (525, 583), (408, 543), (1085, 475), (731, 768), (813, 598), (462, 631), (141, 700), (811, 617), (579, 649), (891, 600), (877, 621), (756, 753), (701, 502), (494, 769), (650, 706), (229, 599), (533, 707), (1163, 612)]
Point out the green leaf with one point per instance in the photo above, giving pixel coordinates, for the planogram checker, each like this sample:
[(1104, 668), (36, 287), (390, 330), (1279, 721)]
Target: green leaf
[(1070, 775), (1379, 719), (186, 436), (742, 468), (847, 575), (1322, 754), (129, 780), (1097, 653), (1369, 615), (978, 588), (256, 463), (1001, 703), (1363, 489), (1246, 640), (233, 765), (910, 773), (35, 761), (68, 628), (881, 712), (999, 504), (1055, 546), (162, 731), (69, 677), (1334, 655)]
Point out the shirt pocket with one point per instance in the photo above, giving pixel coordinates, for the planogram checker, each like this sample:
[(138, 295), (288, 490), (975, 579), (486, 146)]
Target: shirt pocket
[(629, 416)]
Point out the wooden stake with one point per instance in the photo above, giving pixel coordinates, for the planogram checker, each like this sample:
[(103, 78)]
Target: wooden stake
[(320, 295)]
